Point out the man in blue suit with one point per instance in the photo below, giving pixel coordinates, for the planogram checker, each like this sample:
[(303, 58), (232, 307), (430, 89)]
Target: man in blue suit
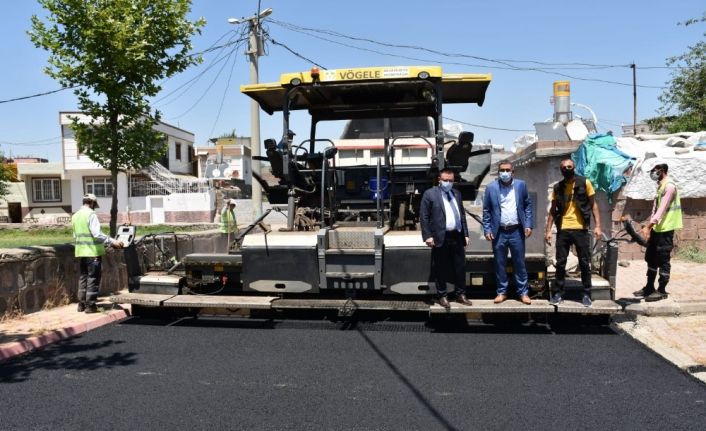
[(507, 221), (444, 229)]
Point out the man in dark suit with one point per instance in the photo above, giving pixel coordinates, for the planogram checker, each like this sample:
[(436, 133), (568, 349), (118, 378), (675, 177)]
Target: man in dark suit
[(444, 229), (507, 221)]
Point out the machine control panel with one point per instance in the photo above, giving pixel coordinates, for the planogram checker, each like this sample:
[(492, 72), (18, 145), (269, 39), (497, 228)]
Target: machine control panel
[(126, 234)]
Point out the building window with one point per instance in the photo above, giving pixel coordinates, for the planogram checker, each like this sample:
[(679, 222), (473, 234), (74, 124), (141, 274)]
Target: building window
[(102, 187), (190, 154), (67, 132), (350, 154), (374, 154), (46, 189), (177, 149)]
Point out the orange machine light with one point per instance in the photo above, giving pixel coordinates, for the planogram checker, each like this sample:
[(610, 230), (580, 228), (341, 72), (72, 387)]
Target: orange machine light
[(315, 73)]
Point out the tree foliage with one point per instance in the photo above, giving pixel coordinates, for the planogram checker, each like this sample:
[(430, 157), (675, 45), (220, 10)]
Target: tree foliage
[(114, 53), (5, 176), (684, 101)]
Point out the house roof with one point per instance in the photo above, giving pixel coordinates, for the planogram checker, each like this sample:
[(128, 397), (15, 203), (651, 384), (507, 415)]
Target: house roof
[(38, 169)]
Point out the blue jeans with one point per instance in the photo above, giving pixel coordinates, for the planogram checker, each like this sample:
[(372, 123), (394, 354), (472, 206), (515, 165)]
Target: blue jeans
[(515, 241)]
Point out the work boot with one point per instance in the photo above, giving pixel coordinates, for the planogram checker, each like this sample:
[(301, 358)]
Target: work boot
[(91, 308), (556, 299), (461, 299), (586, 301), (499, 299), (655, 296), (444, 302), (81, 307), (525, 300), (642, 293)]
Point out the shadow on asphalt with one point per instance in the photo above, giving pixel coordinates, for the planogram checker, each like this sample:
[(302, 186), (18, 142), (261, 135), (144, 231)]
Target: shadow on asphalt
[(69, 355), (597, 325)]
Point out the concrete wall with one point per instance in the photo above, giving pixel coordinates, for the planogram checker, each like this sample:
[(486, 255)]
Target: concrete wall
[(32, 278)]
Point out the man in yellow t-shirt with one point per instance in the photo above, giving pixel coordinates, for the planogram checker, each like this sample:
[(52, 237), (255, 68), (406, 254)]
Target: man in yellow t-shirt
[(572, 204)]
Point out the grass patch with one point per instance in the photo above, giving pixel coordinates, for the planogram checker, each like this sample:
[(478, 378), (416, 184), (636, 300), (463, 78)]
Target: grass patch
[(692, 253), (52, 235)]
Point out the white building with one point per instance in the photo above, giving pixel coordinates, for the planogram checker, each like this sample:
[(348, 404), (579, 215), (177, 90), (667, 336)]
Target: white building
[(166, 192)]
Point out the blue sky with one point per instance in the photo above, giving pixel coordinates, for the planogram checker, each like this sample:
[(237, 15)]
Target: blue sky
[(598, 33)]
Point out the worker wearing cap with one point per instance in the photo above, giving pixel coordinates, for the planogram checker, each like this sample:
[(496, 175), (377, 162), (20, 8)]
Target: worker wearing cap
[(229, 224), (659, 232), (89, 247)]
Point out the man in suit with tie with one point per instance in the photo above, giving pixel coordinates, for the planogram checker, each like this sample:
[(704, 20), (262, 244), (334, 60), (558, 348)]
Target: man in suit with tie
[(507, 221), (444, 229)]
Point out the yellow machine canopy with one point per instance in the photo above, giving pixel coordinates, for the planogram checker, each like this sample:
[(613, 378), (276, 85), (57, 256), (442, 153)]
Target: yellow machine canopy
[(369, 92)]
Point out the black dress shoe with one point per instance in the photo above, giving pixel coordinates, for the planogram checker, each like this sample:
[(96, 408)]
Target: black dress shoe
[(444, 302), (81, 307), (91, 308), (461, 299)]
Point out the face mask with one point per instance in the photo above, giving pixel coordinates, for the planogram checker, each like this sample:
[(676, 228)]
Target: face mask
[(505, 176), (567, 173), (655, 176), (446, 185)]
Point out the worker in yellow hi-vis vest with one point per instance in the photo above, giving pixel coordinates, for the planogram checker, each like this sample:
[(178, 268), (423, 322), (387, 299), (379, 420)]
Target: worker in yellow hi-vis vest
[(229, 225), (659, 232), (89, 247)]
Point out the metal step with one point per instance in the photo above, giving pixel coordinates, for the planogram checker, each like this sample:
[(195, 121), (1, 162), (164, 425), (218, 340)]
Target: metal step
[(148, 299), (335, 304), (203, 301), (599, 306), (488, 306)]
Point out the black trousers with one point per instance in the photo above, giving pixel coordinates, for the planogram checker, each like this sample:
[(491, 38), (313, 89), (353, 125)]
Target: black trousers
[(89, 279), (448, 264), (658, 257), (565, 238)]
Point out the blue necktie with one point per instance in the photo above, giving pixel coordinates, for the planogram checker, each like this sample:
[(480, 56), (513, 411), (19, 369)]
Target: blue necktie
[(457, 216)]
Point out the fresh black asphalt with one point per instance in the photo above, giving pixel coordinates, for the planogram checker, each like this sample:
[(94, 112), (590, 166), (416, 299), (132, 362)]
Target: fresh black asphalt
[(295, 374)]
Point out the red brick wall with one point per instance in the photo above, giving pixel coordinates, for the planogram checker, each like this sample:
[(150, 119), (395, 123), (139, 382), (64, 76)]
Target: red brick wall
[(693, 233)]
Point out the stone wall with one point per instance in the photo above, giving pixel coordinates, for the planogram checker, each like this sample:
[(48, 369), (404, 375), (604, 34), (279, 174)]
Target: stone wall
[(32, 278), (693, 233)]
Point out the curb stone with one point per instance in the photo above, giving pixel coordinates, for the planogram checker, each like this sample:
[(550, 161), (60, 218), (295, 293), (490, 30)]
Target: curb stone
[(643, 335), (12, 349)]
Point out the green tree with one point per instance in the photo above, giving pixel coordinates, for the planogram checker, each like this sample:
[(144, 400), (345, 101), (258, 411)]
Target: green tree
[(5, 175), (684, 100), (114, 53)]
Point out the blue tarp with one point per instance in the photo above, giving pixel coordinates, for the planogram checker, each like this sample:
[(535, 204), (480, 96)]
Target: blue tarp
[(599, 160)]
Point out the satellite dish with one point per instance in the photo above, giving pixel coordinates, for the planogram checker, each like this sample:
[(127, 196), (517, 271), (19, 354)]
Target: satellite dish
[(216, 173), (576, 130)]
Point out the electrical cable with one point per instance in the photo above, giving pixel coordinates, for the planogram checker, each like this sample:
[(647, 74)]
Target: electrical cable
[(487, 127), (508, 66), (46, 93), (225, 93), (274, 42)]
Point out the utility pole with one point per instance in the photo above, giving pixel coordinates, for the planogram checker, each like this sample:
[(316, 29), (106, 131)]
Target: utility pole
[(634, 99), (254, 51)]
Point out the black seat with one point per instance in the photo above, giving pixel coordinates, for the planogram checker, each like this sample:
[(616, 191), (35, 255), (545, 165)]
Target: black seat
[(458, 154)]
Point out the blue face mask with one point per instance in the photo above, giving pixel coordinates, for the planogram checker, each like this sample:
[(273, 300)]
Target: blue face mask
[(505, 176), (446, 185)]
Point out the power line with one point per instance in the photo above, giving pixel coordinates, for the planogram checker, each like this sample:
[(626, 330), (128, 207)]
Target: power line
[(507, 65), (209, 86), (38, 94), (274, 42), (225, 92), (487, 127)]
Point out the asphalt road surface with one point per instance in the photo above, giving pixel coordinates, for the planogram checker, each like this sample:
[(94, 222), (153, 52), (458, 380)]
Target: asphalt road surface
[(294, 375)]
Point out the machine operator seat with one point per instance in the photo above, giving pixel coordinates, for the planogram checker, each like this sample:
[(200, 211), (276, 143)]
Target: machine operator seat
[(458, 154), (275, 158)]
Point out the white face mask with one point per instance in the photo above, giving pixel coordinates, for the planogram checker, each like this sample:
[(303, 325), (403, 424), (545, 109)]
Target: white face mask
[(654, 175), (446, 185), (505, 176)]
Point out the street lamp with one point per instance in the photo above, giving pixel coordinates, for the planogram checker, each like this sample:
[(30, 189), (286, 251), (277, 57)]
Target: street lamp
[(254, 51)]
